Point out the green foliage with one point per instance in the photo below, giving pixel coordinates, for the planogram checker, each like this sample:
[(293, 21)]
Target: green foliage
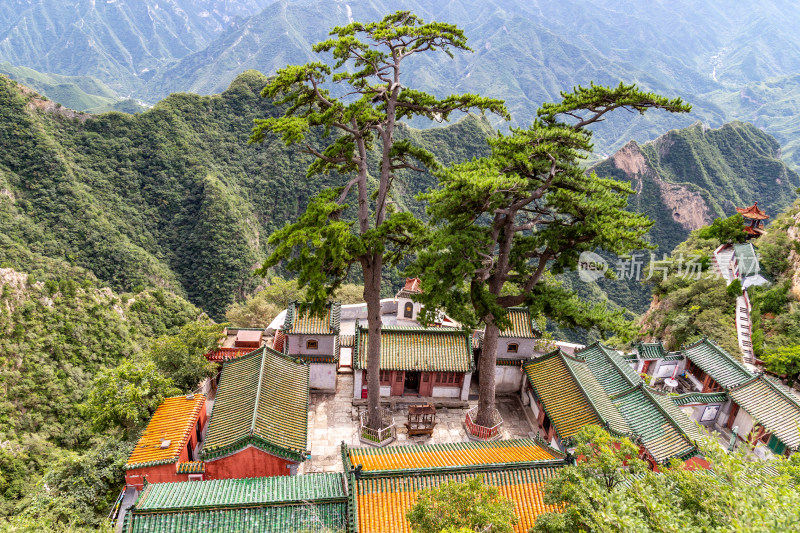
[(78, 488), (689, 303), (326, 243), (531, 208), (57, 335), (462, 506), (328, 239), (725, 230), (171, 198), (610, 491), (261, 308), (127, 395), (181, 357), (734, 290), (784, 360)]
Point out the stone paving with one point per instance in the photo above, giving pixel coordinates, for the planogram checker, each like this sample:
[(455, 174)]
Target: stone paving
[(333, 419)]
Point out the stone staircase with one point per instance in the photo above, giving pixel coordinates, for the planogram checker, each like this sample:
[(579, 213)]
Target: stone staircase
[(722, 262), (744, 328)]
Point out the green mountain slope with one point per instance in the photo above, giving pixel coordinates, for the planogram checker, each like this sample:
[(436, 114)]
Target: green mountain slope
[(685, 308), (173, 197), (81, 93), (686, 178)]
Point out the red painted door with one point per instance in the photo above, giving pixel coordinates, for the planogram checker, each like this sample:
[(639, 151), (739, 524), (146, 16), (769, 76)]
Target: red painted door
[(398, 378)]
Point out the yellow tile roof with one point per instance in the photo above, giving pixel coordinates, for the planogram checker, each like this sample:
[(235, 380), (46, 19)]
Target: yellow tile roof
[(521, 324), (382, 503), (454, 454), (564, 402), (173, 421), (417, 348)]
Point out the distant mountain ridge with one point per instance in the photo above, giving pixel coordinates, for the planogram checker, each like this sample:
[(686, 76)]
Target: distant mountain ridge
[(710, 53)]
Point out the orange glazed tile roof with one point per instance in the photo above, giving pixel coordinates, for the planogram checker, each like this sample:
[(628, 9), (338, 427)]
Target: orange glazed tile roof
[(173, 421), (382, 503), (444, 455), (752, 212)]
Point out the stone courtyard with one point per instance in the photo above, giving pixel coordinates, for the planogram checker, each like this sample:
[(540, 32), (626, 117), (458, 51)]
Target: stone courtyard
[(332, 418)]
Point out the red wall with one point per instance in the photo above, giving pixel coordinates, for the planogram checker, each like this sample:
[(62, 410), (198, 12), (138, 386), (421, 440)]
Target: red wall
[(154, 474), (249, 462), (167, 473)]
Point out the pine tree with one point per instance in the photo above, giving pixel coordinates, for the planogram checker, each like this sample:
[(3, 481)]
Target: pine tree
[(504, 224)]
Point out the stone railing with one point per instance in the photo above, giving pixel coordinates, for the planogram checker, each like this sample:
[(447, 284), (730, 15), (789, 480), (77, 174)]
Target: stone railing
[(378, 437), (478, 432)]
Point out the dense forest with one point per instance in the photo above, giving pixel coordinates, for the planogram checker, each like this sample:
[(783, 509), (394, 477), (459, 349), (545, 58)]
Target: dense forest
[(174, 197)]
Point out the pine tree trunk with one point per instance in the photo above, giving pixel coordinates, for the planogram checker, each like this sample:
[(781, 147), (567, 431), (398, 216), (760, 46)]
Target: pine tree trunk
[(486, 389), (372, 296)]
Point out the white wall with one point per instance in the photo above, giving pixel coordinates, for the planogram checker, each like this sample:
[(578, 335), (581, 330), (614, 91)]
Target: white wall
[(745, 423), (507, 379), (465, 386), (322, 377), (525, 350), (325, 345), (446, 392)]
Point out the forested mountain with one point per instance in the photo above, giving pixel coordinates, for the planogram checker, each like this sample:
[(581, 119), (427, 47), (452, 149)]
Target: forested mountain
[(686, 178), (173, 197), (685, 307), (120, 42), (731, 60)]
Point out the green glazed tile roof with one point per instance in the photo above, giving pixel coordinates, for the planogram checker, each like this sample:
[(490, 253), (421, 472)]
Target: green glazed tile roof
[(307, 518), (416, 348), (661, 430), (313, 502), (651, 350), (774, 407), (522, 326), (190, 467), (569, 393), (717, 363), (612, 371), (747, 259), (565, 403), (597, 395), (262, 400), (301, 321), (700, 397), (220, 493)]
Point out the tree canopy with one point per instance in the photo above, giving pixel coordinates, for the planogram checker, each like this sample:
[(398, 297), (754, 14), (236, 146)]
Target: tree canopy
[(462, 506), (503, 225), (610, 490), (358, 120)]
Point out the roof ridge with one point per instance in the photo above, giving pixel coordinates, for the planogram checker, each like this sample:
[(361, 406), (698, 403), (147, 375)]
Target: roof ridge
[(583, 390), (487, 468), (785, 394), (649, 392), (544, 357), (725, 354), (258, 390), (243, 357), (620, 394), (613, 361)]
